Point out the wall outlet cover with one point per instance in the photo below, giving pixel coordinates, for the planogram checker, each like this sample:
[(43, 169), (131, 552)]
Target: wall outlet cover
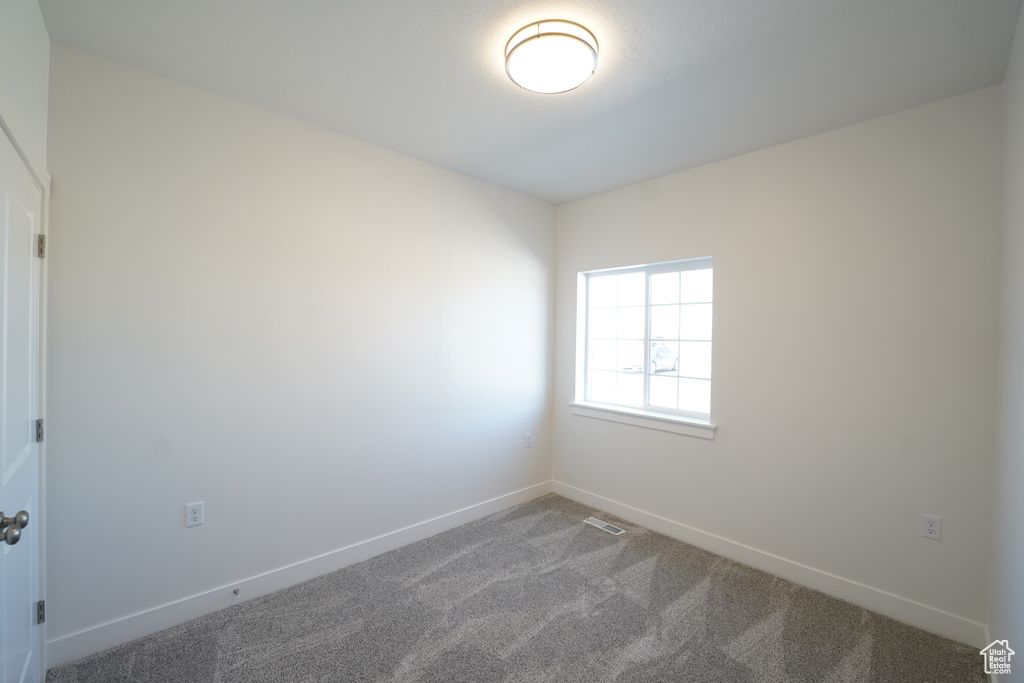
[(194, 514), (931, 527)]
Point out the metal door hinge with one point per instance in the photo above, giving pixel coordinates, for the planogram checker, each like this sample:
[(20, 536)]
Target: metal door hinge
[(41, 611), (41, 246), (39, 430)]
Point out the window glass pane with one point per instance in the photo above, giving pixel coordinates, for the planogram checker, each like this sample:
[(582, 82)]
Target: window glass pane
[(604, 323), (603, 290), (665, 288), (601, 387), (630, 389), (631, 322), (631, 289), (664, 322), (664, 392), (631, 356), (695, 322), (697, 285), (695, 395), (695, 359), (603, 354)]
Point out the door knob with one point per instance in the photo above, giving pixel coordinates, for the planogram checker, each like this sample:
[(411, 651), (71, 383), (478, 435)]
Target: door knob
[(21, 519), (12, 526)]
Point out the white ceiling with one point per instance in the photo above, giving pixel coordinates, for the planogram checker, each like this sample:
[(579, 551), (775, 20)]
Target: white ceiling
[(679, 83)]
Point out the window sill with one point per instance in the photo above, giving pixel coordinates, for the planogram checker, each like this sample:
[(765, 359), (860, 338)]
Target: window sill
[(642, 418)]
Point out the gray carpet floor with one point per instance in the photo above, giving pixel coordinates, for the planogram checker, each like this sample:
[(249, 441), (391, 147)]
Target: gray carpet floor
[(534, 594)]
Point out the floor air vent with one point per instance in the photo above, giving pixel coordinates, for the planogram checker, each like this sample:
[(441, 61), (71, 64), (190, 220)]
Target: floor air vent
[(604, 525)]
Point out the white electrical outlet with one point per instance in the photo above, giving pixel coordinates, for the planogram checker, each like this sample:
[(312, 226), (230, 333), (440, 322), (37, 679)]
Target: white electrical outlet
[(194, 514), (528, 441), (931, 527)]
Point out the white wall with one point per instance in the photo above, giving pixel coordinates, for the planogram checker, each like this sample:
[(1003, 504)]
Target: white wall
[(324, 341), (856, 304), (1006, 601), (24, 76)]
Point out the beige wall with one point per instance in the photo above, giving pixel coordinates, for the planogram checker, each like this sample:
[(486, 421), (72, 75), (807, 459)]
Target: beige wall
[(322, 340), (24, 77), (856, 317)]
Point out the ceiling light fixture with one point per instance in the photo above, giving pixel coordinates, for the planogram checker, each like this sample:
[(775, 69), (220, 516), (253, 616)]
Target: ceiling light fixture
[(551, 56)]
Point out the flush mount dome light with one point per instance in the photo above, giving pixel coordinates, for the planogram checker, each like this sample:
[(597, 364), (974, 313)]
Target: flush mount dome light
[(551, 56)]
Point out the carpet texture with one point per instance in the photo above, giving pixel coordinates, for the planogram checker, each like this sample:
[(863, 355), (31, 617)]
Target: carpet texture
[(534, 594)]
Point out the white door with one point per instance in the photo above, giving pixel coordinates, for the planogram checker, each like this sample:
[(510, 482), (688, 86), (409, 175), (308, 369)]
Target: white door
[(21, 204)]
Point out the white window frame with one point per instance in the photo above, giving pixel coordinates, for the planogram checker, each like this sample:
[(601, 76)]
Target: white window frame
[(679, 422)]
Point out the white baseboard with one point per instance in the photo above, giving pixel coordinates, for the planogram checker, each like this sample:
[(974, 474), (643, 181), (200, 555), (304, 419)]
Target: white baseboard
[(988, 639), (908, 611), (103, 636)]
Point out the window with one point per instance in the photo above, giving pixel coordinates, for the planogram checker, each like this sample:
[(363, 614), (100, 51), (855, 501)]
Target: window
[(647, 341)]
